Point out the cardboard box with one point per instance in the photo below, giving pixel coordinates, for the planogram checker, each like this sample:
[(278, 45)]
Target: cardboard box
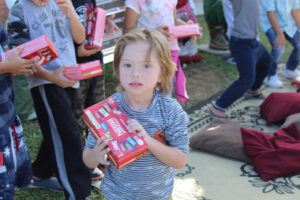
[(186, 30), (41, 49), (94, 27), (107, 119), (83, 70)]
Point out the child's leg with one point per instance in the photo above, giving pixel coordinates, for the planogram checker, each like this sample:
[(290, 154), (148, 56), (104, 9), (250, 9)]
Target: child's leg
[(15, 164), (263, 63), (243, 53), (295, 55), (58, 125), (7, 169), (276, 54)]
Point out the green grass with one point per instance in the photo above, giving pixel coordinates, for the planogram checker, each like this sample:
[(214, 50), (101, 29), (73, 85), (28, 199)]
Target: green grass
[(226, 72)]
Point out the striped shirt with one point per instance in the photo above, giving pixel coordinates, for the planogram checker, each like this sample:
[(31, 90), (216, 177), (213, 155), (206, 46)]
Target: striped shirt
[(7, 109), (147, 178)]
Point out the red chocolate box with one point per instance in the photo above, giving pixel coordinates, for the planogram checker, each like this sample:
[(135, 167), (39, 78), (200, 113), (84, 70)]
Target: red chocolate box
[(41, 49), (94, 28), (107, 119), (83, 70)]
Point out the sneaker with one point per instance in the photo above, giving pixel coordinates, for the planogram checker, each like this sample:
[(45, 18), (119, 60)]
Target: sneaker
[(96, 174), (289, 73), (47, 183), (274, 82)]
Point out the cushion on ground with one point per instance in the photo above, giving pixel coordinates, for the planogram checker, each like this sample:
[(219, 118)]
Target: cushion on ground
[(278, 106), (275, 155), (295, 118), (222, 137)]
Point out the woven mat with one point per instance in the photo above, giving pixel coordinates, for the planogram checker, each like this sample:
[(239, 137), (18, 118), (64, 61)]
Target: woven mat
[(211, 177)]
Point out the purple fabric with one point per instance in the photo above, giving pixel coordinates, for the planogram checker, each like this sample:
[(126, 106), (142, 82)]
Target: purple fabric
[(179, 80)]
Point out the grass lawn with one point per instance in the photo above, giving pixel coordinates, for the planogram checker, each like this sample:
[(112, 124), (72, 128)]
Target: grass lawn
[(224, 75)]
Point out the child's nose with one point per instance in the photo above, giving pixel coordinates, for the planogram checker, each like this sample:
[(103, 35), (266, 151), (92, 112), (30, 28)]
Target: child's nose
[(136, 72)]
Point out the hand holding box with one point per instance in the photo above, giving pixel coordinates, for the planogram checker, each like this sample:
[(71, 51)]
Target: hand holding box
[(41, 49), (107, 119), (94, 27)]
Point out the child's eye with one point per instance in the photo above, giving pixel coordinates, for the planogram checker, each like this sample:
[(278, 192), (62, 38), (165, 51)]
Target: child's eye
[(127, 65), (147, 66)]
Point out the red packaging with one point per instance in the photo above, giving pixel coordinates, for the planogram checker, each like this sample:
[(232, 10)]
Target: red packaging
[(41, 49), (94, 27), (107, 119), (184, 30), (296, 82), (83, 70)]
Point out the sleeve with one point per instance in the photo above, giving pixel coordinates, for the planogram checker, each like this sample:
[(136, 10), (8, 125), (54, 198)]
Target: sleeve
[(176, 132), (18, 32), (267, 5), (134, 5), (3, 36), (91, 141)]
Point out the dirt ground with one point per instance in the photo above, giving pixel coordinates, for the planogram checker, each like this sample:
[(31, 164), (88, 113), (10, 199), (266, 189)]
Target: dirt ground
[(201, 85)]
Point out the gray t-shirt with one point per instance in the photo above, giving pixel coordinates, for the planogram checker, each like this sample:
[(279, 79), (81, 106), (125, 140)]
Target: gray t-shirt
[(27, 21), (147, 178), (246, 18)]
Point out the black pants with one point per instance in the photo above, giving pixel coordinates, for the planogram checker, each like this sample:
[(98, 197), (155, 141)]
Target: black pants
[(61, 150)]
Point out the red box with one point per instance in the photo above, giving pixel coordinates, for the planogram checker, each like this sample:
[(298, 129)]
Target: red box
[(83, 70), (94, 27), (107, 119), (184, 30), (41, 49), (296, 82)]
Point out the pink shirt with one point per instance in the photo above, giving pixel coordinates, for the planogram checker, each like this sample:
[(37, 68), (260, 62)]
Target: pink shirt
[(155, 13)]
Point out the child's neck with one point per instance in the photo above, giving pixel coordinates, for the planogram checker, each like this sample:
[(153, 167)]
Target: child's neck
[(138, 103)]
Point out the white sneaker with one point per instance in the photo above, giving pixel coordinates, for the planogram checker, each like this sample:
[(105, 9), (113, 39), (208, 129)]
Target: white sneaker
[(274, 82), (289, 73)]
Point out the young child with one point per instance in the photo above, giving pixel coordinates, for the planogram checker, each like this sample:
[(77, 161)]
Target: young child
[(61, 150), (144, 68), (252, 58), (156, 14), (15, 165), (280, 21)]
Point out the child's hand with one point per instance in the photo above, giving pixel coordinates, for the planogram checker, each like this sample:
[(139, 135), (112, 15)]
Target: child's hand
[(100, 150), (83, 52), (66, 7), (135, 127), (279, 41), (110, 27), (60, 79), (18, 65), (165, 33)]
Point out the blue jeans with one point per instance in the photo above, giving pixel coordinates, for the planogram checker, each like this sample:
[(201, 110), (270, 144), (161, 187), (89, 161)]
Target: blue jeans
[(253, 63), (276, 54)]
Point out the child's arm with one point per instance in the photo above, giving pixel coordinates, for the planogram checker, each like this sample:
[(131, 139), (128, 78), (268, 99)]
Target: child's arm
[(92, 157), (77, 29), (280, 40), (131, 18), (17, 65), (56, 77), (171, 156), (177, 20)]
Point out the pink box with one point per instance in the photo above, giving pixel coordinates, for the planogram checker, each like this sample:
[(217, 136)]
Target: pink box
[(94, 27), (184, 30), (41, 49), (84, 70), (107, 119)]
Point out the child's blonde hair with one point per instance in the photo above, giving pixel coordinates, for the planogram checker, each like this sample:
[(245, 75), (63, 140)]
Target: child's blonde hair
[(157, 42)]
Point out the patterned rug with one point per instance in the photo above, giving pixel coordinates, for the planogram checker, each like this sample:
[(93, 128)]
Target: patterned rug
[(211, 177)]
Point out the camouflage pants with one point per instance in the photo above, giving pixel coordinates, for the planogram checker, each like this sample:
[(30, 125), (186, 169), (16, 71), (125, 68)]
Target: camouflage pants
[(90, 92)]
